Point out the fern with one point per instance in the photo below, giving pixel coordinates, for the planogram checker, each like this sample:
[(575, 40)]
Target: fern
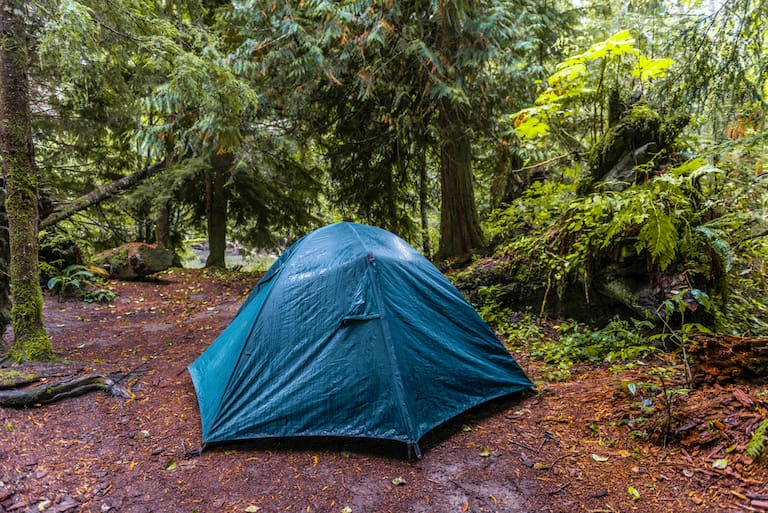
[(756, 446), (659, 236)]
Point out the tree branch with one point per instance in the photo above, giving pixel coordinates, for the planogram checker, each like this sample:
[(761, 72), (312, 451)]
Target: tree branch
[(102, 193), (49, 393)]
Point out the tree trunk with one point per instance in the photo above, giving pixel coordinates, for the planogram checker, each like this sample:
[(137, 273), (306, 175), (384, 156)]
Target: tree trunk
[(459, 225), (163, 226), (31, 340), (423, 201), (5, 284), (216, 203)]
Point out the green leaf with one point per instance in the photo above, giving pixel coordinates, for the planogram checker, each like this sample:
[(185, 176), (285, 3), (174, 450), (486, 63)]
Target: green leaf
[(646, 69), (171, 465), (617, 44), (659, 236), (485, 452), (399, 481), (720, 464), (529, 126), (633, 492)]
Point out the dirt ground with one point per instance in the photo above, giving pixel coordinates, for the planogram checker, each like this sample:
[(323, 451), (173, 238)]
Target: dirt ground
[(577, 446)]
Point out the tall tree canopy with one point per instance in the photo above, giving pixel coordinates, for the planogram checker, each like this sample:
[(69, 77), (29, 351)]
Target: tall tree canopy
[(383, 86)]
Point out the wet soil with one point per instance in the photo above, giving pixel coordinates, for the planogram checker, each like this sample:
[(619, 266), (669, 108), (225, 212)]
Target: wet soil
[(574, 446)]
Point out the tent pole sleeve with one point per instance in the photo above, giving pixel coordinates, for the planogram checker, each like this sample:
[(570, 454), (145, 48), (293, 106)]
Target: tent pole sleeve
[(405, 412)]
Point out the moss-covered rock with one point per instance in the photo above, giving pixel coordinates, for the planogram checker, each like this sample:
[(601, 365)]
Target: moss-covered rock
[(134, 260)]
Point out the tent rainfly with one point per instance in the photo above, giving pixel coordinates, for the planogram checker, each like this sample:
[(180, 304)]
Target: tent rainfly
[(351, 333)]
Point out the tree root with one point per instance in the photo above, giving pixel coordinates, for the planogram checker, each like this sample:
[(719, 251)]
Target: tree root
[(47, 393)]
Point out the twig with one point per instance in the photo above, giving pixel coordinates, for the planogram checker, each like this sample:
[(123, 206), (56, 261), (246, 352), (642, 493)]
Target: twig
[(562, 456), (520, 444), (547, 436), (543, 163), (560, 489)]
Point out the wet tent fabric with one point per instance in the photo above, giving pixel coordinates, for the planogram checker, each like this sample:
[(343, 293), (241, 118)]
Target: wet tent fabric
[(350, 333)]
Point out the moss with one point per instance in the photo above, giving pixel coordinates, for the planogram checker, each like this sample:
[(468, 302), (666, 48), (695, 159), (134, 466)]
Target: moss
[(10, 378), (32, 342), (640, 125)]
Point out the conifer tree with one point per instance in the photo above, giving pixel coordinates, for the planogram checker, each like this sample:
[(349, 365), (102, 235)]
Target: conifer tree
[(31, 340)]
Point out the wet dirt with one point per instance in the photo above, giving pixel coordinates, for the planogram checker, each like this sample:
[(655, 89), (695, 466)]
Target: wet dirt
[(563, 448)]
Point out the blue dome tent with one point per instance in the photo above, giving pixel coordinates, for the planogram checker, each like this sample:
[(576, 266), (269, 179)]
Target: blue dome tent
[(351, 333)]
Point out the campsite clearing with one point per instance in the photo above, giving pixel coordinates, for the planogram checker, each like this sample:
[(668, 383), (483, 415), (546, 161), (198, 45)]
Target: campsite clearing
[(567, 448)]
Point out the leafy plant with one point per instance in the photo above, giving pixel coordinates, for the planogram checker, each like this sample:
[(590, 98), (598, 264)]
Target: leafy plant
[(80, 280), (757, 443), (617, 341), (71, 278), (578, 93)]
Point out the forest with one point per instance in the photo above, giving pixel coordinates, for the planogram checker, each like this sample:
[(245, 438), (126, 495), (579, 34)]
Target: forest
[(590, 175)]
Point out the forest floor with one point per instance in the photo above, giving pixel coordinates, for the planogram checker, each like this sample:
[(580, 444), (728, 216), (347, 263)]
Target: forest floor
[(583, 445)]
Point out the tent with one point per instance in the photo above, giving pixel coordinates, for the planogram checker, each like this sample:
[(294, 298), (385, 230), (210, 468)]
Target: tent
[(351, 333)]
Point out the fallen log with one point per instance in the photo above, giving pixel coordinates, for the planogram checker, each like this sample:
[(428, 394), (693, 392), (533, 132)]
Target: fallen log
[(47, 393), (728, 358), (101, 193)]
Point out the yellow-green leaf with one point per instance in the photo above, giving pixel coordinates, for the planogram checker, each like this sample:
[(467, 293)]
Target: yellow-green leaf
[(633, 492), (646, 69)]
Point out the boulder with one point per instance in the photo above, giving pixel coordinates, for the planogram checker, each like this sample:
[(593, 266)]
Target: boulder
[(134, 260)]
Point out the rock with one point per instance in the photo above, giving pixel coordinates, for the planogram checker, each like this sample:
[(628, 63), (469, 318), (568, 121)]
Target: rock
[(134, 260)]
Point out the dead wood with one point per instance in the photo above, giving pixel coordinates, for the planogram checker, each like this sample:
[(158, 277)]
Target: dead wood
[(47, 393), (102, 193), (727, 358)]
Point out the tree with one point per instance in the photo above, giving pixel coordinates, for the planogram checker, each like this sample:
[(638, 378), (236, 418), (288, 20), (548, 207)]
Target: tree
[(108, 68), (383, 81), (31, 340)]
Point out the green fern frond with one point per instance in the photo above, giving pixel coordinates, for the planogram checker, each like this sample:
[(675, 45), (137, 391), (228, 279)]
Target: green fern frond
[(659, 236), (756, 446)]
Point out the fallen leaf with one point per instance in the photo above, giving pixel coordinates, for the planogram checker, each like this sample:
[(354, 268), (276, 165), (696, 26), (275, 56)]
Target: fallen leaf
[(742, 397), (597, 457), (465, 507), (171, 465), (398, 481), (633, 492), (346, 509), (465, 427), (720, 464), (252, 509), (485, 452)]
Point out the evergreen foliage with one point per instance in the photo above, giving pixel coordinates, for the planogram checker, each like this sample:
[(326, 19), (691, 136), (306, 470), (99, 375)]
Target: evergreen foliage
[(591, 145)]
